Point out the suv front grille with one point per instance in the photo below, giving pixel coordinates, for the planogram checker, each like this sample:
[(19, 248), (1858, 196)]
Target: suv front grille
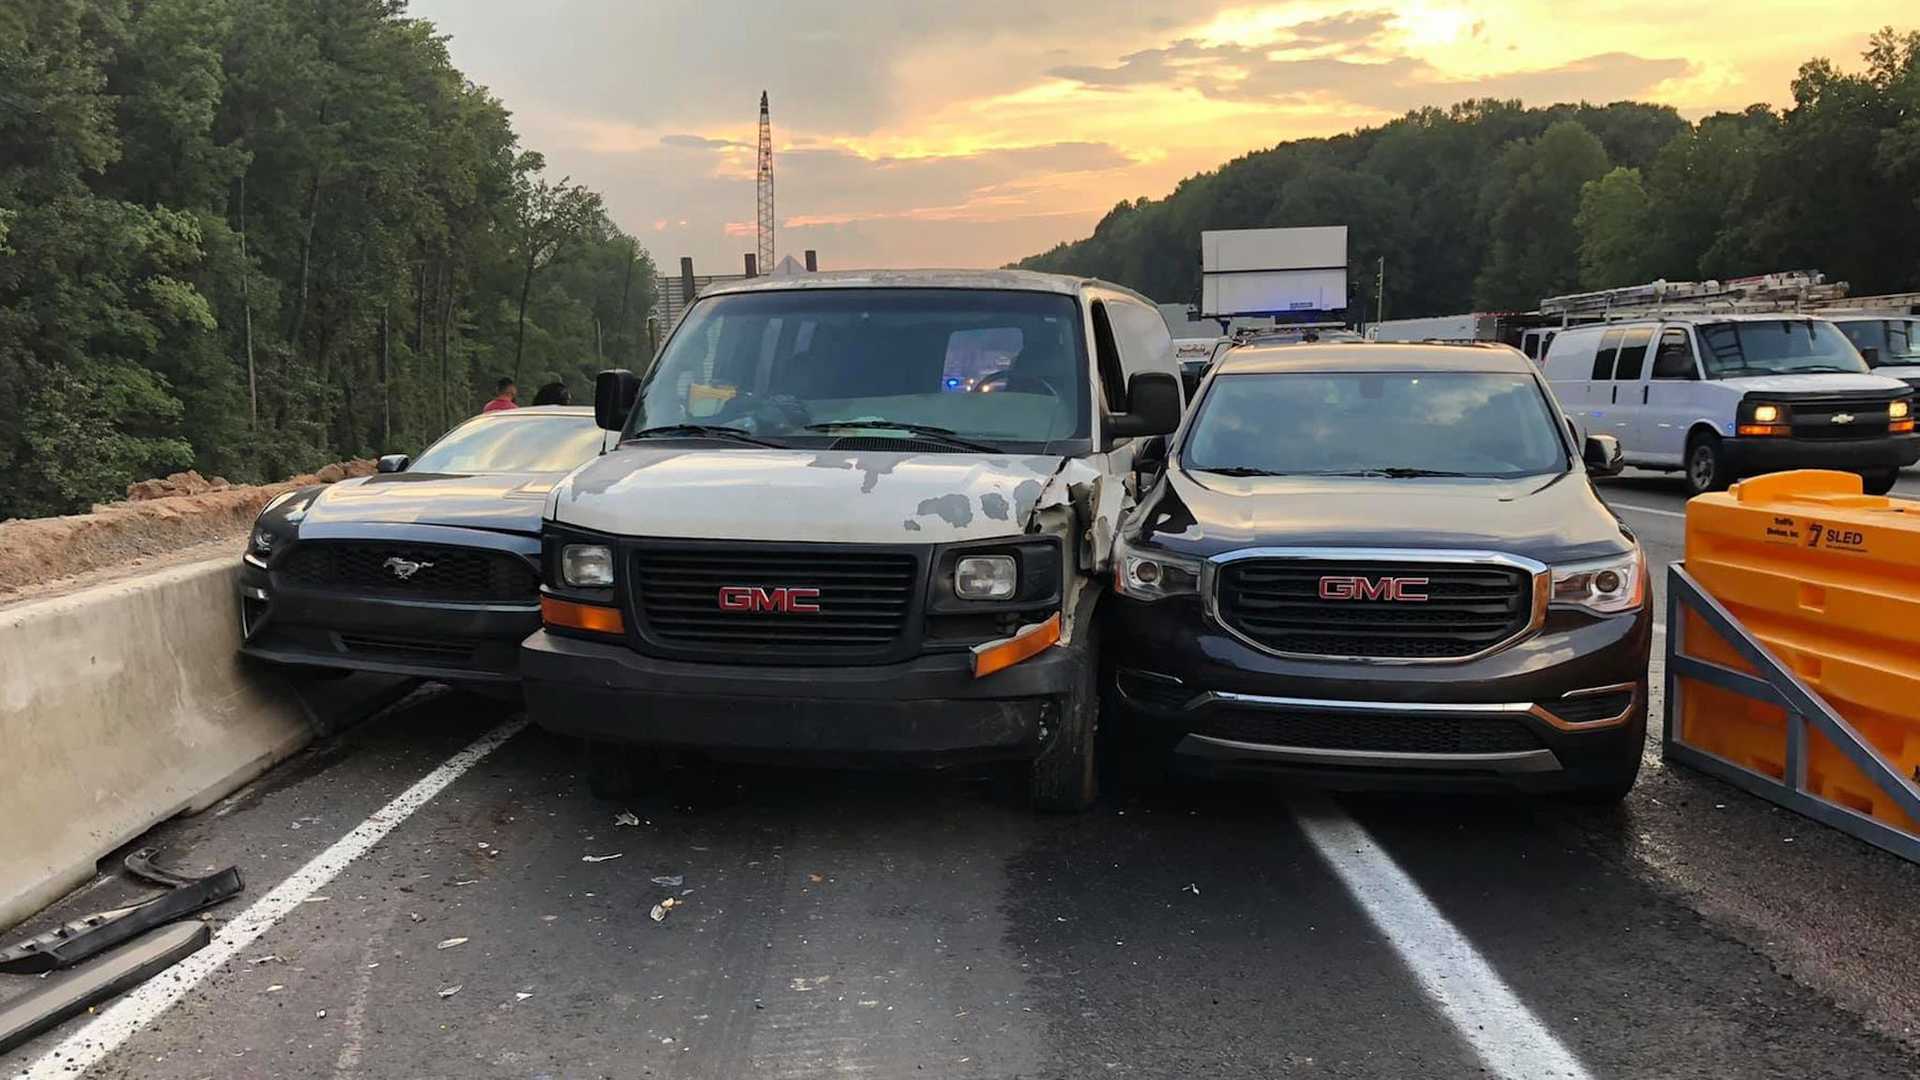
[(1405, 734), (865, 600), (442, 572), (1469, 608)]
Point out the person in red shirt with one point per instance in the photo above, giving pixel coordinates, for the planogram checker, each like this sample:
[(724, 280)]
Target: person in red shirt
[(504, 392)]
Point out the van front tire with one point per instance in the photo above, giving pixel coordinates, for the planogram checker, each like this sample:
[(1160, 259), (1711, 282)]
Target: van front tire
[(1063, 779), (1881, 482), (1706, 468)]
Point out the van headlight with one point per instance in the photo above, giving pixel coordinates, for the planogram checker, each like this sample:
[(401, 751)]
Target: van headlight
[(586, 566), (1144, 572), (986, 577), (1604, 586)]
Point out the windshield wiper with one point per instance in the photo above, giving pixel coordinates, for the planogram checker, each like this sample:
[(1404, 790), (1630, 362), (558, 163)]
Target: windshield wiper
[(1399, 472), (1239, 470), (709, 431), (928, 431), (1816, 367)]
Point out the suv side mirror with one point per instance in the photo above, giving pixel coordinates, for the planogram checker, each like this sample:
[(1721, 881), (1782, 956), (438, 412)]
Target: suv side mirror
[(1603, 456), (1153, 407), (614, 392), (389, 463)]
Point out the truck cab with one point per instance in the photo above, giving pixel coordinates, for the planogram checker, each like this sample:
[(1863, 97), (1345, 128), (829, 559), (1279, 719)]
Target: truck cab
[(860, 517)]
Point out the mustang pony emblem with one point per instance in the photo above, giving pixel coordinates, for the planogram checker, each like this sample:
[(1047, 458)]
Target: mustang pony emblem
[(404, 568)]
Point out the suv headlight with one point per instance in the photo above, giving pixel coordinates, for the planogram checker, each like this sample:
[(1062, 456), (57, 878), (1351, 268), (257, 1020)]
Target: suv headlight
[(1143, 572), (587, 566), (1604, 586), (986, 577)]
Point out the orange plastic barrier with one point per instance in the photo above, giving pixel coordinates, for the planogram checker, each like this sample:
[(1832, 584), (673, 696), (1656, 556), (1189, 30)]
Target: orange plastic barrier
[(1828, 579)]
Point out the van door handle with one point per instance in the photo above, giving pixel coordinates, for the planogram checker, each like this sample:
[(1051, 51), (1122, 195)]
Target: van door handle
[(1643, 394), (1616, 393)]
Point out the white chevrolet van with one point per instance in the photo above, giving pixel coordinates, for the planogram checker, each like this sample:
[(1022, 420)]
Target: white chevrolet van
[(857, 516), (1890, 344), (1719, 397)]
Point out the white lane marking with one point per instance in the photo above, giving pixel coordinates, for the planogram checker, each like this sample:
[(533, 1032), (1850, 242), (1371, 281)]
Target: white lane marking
[(104, 1033), (1646, 509), (1509, 1040)]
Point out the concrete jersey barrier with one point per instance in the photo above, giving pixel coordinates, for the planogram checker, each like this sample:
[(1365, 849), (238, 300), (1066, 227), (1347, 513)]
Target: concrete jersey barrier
[(121, 706)]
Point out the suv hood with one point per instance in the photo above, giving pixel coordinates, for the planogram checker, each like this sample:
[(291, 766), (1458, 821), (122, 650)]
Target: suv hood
[(504, 502), (862, 496), (1827, 382), (1551, 519)]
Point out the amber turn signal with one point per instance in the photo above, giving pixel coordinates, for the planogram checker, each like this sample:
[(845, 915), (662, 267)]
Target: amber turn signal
[(1763, 429), (1030, 642), (568, 615)]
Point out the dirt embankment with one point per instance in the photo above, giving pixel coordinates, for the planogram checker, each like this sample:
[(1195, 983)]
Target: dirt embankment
[(159, 518)]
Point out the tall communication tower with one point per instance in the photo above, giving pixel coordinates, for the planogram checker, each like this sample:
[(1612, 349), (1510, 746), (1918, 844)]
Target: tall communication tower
[(765, 180)]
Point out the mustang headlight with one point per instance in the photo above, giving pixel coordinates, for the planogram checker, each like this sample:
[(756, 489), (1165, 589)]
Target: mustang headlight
[(587, 566), (1604, 586), (1143, 572)]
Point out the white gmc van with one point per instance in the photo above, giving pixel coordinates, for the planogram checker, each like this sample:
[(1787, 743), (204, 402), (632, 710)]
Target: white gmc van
[(1724, 396), (860, 515)]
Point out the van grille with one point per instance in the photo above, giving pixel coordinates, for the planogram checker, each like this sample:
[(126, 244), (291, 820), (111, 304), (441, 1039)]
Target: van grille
[(865, 599), (443, 573), (1276, 604), (1839, 419)]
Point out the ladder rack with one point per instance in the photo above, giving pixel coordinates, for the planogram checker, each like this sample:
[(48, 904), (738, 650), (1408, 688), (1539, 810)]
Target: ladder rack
[(1791, 290)]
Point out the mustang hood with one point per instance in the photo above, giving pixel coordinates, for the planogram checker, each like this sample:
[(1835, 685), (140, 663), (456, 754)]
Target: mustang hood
[(508, 502), (1545, 518), (806, 495)]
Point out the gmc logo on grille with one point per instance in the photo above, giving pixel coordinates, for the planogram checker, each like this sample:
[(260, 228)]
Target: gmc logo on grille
[(1411, 590), (784, 599)]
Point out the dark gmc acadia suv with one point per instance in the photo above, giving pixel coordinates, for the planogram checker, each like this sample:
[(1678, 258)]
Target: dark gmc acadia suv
[(1385, 563)]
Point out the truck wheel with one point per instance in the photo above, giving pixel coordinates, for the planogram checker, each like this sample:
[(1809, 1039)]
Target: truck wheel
[(1063, 780), (1880, 482), (1706, 464)]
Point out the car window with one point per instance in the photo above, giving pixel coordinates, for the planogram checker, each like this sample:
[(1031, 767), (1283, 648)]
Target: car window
[(1290, 423), (1674, 358), (1884, 341), (1631, 363), (507, 443), (1142, 335), (1776, 347), (1106, 351), (1603, 356), (802, 366)]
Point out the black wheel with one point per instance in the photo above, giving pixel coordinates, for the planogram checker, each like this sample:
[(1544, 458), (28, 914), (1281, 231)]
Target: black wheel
[(1706, 464), (1881, 482), (1608, 786), (1063, 779)]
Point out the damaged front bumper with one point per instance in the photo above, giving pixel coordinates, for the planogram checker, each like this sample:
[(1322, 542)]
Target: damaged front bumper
[(930, 708)]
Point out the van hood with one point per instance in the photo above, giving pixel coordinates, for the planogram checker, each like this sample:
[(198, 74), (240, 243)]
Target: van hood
[(1551, 519), (501, 502), (1828, 382), (884, 497)]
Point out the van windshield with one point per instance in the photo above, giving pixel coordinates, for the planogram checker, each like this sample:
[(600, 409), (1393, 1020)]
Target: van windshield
[(1885, 342), (1375, 423), (946, 368), (1776, 347)]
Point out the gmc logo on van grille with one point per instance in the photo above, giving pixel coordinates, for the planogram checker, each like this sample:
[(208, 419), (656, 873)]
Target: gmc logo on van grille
[(783, 599), (1410, 590)]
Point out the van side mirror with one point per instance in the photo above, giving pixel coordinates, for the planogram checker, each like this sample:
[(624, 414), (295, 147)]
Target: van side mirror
[(390, 463), (614, 392), (1150, 457), (1871, 355), (1153, 407), (1603, 456)]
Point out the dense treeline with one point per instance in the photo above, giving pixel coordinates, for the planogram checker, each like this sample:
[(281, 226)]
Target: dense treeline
[(1490, 206), (251, 236)]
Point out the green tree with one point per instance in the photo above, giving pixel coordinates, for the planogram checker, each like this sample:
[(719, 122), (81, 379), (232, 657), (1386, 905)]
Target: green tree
[(1612, 222), (1535, 194)]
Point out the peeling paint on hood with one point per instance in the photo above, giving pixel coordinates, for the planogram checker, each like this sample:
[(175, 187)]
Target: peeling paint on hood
[(886, 497)]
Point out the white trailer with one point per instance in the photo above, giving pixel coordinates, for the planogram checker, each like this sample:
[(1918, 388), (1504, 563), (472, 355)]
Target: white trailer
[(1279, 272)]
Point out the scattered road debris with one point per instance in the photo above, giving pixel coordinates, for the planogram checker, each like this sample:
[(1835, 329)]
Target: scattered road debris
[(521, 995), (449, 991), (815, 878), (276, 988), (69, 944), (451, 942), (1192, 888), (320, 1014), (416, 916), (670, 881), (267, 959), (55, 999), (626, 817), (601, 858), (659, 912)]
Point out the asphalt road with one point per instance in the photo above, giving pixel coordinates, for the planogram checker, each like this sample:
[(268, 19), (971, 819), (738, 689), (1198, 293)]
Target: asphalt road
[(902, 924)]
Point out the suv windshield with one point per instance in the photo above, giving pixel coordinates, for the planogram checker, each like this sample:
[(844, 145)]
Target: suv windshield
[(956, 369), (1387, 423), (1776, 347), (506, 443), (1884, 342)]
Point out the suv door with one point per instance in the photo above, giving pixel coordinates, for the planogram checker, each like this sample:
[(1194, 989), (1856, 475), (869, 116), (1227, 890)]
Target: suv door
[(1672, 397)]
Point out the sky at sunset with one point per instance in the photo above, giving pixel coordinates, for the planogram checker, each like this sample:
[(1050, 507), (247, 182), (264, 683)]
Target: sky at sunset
[(974, 132)]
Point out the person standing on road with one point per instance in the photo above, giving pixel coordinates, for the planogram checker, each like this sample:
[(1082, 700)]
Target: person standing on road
[(504, 392), (554, 393)]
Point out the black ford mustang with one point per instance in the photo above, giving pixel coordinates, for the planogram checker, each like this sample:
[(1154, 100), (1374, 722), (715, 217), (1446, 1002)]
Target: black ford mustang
[(429, 568)]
